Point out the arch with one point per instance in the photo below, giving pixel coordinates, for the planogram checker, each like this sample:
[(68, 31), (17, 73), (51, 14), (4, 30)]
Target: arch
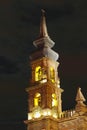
[(54, 100), (37, 100), (52, 74)]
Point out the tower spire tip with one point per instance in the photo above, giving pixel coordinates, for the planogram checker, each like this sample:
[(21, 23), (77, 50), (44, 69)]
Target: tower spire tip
[(43, 11)]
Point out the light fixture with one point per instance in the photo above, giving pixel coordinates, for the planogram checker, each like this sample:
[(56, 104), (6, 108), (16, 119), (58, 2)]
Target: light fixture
[(29, 116)]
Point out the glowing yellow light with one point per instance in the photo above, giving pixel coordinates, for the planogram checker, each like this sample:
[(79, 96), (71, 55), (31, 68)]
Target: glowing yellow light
[(37, 114), (46, 112), (38, 73), (29, 116), (49, 112), (38, 95), (43, 81), (58, 86), (55, 115), (54, 100), (52, 74), (37, 99)]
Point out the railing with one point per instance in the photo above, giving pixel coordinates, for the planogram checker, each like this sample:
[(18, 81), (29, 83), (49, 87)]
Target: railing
[(67, 113)]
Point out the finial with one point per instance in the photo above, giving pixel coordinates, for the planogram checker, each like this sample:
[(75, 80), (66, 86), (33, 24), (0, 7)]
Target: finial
[(43, 12), (43, 27)]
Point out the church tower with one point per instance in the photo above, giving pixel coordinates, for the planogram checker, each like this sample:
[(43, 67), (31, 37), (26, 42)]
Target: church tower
[(44, 92)]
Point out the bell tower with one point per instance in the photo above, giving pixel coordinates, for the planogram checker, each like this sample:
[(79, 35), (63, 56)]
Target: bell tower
[(44, 92)]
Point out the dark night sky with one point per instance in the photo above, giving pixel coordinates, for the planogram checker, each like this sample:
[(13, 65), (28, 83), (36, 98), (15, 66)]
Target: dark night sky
[(19, 27)]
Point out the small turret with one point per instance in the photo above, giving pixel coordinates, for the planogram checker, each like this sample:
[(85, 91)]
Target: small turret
[(79, 96), (80, 99)]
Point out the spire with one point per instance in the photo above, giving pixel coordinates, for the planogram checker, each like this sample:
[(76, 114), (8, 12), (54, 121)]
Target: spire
[(43, 27), (79, 96), (43, 39), (44, 42)]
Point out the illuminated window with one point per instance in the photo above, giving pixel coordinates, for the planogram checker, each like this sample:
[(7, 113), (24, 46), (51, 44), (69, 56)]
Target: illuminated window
[(52, 74), (38, 73), (37, 100), (54, 100)]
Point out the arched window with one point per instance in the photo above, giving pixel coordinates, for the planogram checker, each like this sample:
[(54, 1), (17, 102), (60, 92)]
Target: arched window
[(54, 100), (52, 75), (38, 73), (37, 100)]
